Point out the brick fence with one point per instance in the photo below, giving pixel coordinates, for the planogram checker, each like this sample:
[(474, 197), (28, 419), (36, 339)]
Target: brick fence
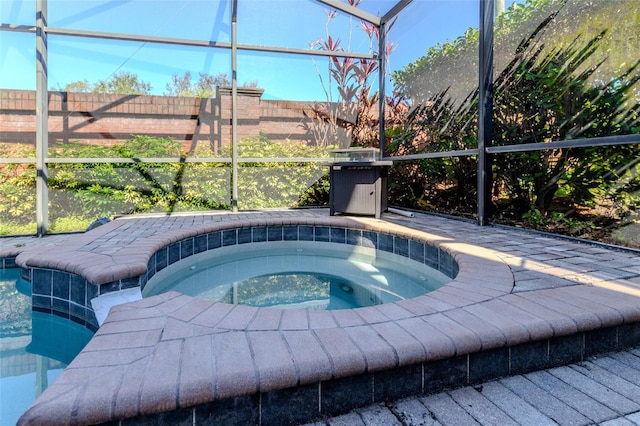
[(97, 118)]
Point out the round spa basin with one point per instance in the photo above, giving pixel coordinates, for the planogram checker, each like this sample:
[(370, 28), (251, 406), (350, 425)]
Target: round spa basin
[(301, 275)]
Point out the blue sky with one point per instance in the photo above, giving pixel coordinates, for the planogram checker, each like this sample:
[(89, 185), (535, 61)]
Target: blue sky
[(289, 23)]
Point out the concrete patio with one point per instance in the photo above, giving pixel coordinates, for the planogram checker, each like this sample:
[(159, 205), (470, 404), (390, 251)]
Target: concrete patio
[(521, 302)]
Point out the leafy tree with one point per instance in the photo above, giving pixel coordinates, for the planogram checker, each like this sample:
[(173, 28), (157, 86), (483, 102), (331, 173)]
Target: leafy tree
[(122, 83), (549, 97), (543, 94), (205, 87), (454, 63), (80, 86), (551, 86)]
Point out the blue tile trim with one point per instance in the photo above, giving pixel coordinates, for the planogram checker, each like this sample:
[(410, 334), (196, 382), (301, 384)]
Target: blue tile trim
[(416, 251), (305, 233), (8, 263), (321, 233), (214, 240), (259, 234), (419, 251), (385, 242), (354, 237), (200, 244), (401, 246), (229, 237), (186, 247), (161, 259), (290, 233), (337, 235), (274, 233), (63, 294), (244, 235), (369, 239), (173, 253)]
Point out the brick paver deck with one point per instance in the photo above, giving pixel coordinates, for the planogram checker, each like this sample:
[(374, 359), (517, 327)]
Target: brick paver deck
[(521, 302)]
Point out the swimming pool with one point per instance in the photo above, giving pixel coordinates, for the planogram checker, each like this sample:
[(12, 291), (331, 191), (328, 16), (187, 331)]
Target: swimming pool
[(298, 275), (34, 347)]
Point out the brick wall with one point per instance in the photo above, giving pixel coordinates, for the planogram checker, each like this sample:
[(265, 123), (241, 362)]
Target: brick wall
[(95, 118)]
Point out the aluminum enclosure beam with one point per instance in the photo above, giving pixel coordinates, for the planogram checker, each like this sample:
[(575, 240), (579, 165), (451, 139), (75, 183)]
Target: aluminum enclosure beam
[(485, 110), (395, 10), (234, 106), (382, 71), (42, 119), (573, 143), (182, 42)]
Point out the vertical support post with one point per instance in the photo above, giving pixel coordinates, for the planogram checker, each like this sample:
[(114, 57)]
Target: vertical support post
[(42, 118), (382, 70), (234, 106), (485, 110)]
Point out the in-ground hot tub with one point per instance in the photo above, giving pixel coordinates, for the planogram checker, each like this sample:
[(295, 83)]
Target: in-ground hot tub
[(298, 274), (388, 267)]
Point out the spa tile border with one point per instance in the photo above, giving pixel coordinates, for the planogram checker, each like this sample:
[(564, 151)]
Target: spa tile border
[(63, 294), (412, 248), (58, 293), (8, 262)]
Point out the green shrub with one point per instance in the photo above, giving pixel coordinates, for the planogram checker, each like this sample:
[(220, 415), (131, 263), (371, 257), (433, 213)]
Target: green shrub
[(79, 193)]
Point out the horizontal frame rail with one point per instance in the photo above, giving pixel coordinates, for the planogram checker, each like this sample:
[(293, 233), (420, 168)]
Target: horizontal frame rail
[(168, 160), (183, 42), (574, 143), (444, 154)]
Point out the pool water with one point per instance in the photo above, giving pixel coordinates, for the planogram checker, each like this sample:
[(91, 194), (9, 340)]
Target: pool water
[(34, 347), (297, 275)]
